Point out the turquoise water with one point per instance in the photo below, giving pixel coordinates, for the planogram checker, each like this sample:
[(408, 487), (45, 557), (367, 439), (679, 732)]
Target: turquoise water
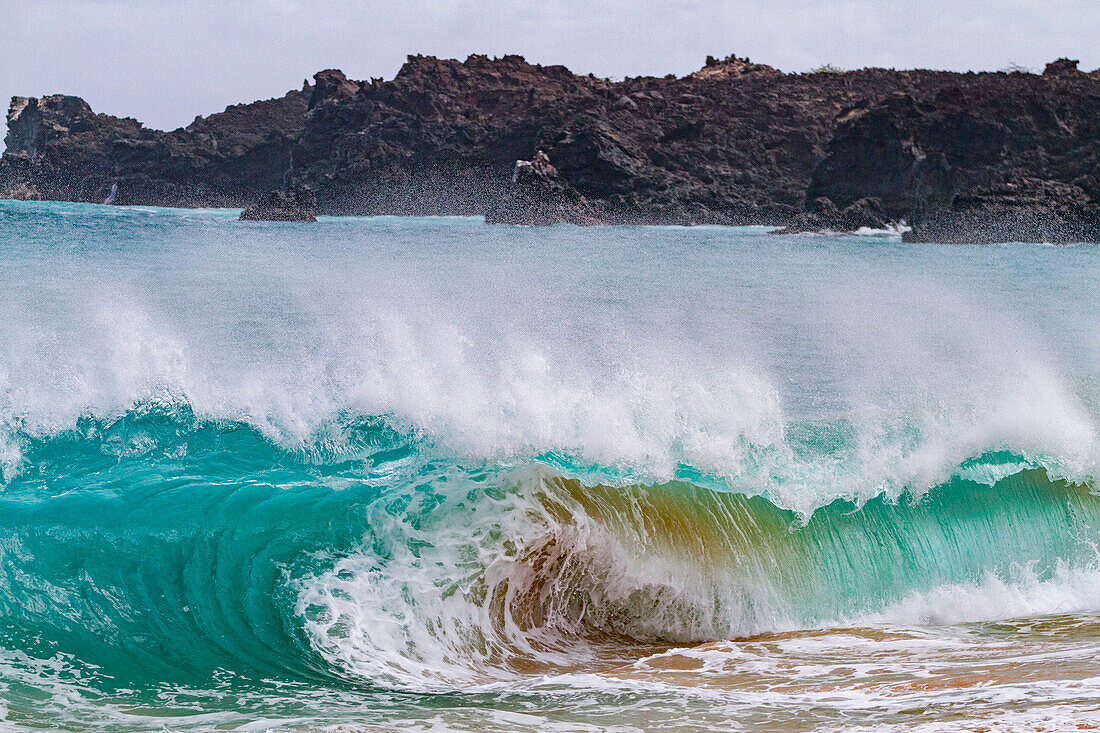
[(382, 474)]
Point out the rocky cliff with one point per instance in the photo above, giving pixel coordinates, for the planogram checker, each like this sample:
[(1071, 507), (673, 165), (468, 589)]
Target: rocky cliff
[(59, 149), (989, 157), (960, 157)]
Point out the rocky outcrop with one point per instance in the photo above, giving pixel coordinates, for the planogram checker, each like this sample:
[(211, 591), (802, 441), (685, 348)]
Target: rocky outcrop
[(993, 157), (58, 148), (824, 216), (539, 196), (294, 203), (734, 143), (985, 157)]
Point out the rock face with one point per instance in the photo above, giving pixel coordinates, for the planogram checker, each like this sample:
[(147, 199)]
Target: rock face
[(823, 215), (960, 157), (736, 142), (995, 158)]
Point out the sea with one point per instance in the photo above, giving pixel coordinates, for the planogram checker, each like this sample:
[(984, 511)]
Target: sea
[(379, 474)]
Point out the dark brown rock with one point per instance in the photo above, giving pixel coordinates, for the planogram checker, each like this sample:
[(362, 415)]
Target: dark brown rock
[(59, 149), (824, 216), (1001, 158), (538, 196), (1062, 67), (294, 203)]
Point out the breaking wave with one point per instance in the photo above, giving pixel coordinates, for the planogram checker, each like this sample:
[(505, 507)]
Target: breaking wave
[(252, 471), (371, 555)]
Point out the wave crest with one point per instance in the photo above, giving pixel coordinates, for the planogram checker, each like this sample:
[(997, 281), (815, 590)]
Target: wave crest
[(552, 575), (377, 555)]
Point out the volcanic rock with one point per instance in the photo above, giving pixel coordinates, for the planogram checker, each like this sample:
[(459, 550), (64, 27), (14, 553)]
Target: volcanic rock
[(538, 196), (1002, 158), (294, 203), (959, 157), (824, 216), (59, 149)]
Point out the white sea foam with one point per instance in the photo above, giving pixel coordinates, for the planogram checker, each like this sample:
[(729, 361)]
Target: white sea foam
[(1071, 589), (808, 369), (638, 349)]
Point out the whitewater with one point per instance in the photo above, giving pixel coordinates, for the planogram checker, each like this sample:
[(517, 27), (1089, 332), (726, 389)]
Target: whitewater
[(431, 474)]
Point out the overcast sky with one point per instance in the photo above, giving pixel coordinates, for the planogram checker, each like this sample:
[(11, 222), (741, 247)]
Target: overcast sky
[(165, 62)]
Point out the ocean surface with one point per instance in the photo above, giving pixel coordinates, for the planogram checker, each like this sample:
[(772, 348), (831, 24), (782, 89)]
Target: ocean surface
[(428, 474)]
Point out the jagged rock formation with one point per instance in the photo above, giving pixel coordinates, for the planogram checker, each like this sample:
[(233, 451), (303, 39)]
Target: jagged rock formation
[(987, 156), (823, 215), (294, 203), (736, 142), (59, 149), (539, 196)]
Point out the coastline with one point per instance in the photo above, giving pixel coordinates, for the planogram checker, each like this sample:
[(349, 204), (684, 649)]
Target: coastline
[(974, 157)]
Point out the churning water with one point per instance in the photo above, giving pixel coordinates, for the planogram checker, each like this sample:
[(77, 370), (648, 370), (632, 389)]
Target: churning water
[(428, 473)]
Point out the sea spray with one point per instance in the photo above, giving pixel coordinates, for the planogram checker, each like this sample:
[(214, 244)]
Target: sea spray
[(521, 469)]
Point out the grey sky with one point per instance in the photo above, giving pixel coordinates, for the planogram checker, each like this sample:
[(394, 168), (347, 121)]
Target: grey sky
[(165, 62)]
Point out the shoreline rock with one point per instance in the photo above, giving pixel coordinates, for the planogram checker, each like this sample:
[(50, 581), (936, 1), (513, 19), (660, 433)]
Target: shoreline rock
[(823, 215), (58, 147), (538, 197), (294, 203)]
